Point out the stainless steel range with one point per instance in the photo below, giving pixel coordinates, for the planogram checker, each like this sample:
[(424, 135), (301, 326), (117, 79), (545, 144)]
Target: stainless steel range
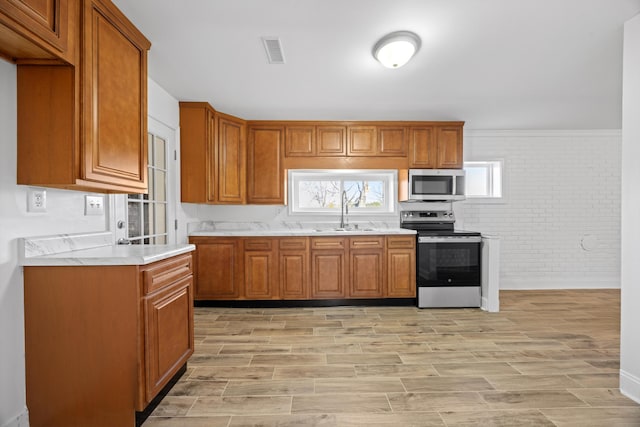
[(447, 260)]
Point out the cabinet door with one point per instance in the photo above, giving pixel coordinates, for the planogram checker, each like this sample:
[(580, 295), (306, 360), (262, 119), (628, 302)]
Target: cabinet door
[(366, 273), (43, 23), (300, 141), (197, 152), (260, 269), (218, 269), (361, 141), (366, 266), (331, 140), (449, 147), (401, 273), (114, 91), (168, 322), (392, 141), (231, 160), (328, 274), (294, 268), (265, 172), (401, 266), (422, 148)]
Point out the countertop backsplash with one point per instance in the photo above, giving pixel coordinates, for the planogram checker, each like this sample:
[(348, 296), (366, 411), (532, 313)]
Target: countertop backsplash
[(221, 226)]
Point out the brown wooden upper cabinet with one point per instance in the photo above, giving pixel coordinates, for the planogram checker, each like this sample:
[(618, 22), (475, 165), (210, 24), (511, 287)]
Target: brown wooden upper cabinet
[(265, 171), (331, 140), (435, 147), (212, 155), (197, 140), (231, 159), (310, 140), (449, 149), (38, 29), (300, 141), (91, 127), (392, 141), (362, 141)]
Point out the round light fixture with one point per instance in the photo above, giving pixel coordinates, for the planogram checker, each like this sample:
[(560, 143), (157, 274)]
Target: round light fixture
[(396, 49)]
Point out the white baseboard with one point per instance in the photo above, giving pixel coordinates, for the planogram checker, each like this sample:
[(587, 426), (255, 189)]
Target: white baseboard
[(20, 420), (630, 386), (520, 283)]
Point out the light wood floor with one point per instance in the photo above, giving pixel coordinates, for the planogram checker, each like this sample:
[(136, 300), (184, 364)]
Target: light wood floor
[(547, 359)]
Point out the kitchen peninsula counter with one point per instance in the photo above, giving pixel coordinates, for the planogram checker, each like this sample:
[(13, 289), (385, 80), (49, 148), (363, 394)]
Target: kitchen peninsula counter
[(108, 328)]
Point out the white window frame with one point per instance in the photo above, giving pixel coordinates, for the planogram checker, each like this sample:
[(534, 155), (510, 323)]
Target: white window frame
[(496, 184), (389, 177)]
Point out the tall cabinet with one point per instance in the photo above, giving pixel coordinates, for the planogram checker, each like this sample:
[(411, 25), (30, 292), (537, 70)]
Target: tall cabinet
[(265, 171), (212, 155)]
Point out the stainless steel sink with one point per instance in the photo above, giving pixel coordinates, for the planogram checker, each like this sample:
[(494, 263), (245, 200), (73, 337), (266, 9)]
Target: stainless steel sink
[(342, 230)]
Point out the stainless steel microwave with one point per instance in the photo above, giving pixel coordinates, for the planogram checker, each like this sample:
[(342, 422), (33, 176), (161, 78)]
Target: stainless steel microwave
[(436, 184)]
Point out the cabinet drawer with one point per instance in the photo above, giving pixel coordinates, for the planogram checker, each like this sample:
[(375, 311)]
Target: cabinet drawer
[(366, 242), (298, 244), (163, 273), (328, 243), (258, 244), (401, 242)]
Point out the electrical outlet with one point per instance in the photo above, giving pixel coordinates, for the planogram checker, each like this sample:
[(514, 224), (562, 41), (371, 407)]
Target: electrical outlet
[(36, 200), (94, 205)]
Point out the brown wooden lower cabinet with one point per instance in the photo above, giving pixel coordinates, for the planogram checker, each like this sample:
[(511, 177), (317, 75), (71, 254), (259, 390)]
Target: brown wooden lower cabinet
[(294, 268), (218, 268), (168, 321), (366, 267), (301, 268), (401, 266), (260, 268), (102, 341)]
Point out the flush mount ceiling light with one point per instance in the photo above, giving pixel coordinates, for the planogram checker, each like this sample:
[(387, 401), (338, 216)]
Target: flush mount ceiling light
[(396, 49)]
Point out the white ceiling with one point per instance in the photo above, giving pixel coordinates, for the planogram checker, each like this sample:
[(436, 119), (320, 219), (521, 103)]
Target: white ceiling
[(496, 64)]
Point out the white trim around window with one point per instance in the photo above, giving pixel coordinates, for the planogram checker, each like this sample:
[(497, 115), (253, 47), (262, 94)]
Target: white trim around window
[(319, 191), (484, 181)]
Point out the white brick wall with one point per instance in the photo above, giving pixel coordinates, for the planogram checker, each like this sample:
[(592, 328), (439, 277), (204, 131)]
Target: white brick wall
[(561, 187)]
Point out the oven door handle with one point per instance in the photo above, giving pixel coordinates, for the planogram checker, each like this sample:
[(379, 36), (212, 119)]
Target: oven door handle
[(450, 239)]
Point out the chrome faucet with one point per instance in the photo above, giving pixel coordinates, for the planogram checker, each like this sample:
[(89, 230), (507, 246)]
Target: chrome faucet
[(344, 206)]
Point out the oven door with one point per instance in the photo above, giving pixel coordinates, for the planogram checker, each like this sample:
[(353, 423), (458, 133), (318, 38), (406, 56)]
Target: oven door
[(448, 271)]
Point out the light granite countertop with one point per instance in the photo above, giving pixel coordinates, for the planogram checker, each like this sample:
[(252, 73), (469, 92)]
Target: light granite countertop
[(300, 232), (92, 249), (111, 255)]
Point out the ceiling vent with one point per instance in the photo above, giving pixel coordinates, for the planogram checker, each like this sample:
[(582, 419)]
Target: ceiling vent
[(272, 45)]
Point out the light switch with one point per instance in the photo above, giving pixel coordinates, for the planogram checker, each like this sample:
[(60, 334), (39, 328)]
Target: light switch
[(94, 205)]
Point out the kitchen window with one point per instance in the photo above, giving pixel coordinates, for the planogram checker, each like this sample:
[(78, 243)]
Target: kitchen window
[(367, 192), (483, 179), (147, 213)]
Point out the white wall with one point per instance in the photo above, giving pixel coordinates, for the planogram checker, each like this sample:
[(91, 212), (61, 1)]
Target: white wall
[(65, 214), (560, 187), (630, 267)]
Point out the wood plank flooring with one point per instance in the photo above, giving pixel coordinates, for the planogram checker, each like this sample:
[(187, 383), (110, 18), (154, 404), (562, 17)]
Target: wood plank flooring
[(549, 358)]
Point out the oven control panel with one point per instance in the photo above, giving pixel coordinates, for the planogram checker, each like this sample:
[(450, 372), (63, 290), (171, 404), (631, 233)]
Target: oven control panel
[(427, 216)]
